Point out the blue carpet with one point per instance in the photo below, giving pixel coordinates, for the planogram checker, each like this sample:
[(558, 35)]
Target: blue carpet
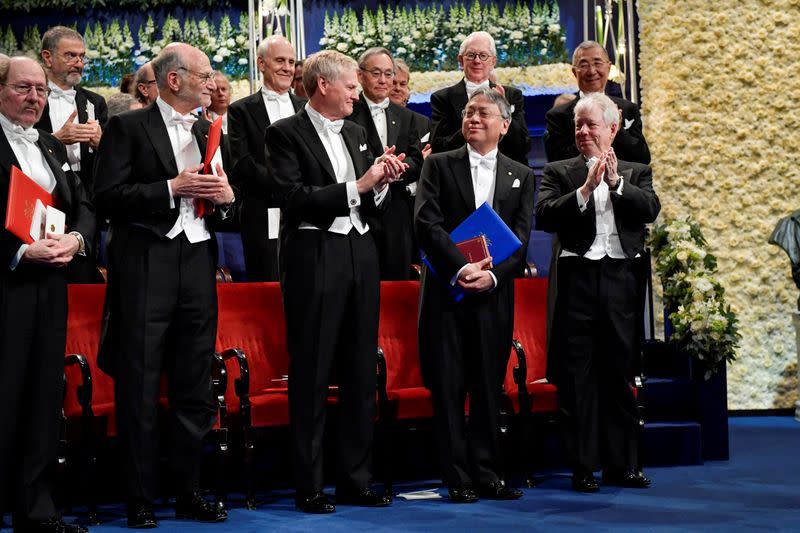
[(758, 489)]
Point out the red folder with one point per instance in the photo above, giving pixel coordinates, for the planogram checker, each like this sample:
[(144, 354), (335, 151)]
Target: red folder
[(474, 250), (203, 207), (22, 195)]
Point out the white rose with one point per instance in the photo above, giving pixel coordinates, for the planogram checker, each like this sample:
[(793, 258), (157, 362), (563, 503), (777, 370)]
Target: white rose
[(140, 60), (217, 58), (342, 47), (358, 39), (242, 61), (230, 43)]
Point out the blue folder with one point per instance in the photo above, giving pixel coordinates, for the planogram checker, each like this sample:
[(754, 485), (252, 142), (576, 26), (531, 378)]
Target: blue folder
[(501, 241)]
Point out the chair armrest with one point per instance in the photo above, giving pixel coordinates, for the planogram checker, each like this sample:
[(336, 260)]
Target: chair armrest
[(521, 377), (382, 376), (241, 385), (417, 270), (224, 275), (84, 389)]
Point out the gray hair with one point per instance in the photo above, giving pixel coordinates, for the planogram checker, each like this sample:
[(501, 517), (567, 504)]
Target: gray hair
[(119, 103), (588, 45), (402, 66), (5, 65), (169, 60), (375, 51), (328, 64), (472, 36), (496, 98), (602, 102), (53, 36)]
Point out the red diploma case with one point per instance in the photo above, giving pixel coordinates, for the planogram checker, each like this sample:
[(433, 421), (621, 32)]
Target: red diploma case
[(474, 250), (22, 195), (203, 207)]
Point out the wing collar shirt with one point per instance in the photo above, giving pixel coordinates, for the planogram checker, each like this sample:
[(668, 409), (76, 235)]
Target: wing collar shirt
[(278, 106), (62, 105), (330, 134), (606, 240), (31, 163), (378, 112), (472, 87), (187, 154)]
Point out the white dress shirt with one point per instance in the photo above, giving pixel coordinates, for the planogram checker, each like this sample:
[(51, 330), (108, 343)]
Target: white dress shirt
[(472, 87), (187, 154), (278, 106), (214, 117), (62, 105), (378, 112), (606, 240), (31, 163)]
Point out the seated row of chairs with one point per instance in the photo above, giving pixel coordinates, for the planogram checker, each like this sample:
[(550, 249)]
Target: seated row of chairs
[(252, 362)]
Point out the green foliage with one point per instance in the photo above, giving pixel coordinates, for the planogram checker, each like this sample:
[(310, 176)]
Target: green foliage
[(81, 5)]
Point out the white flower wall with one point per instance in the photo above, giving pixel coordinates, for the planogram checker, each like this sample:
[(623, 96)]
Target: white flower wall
[(721, 107)]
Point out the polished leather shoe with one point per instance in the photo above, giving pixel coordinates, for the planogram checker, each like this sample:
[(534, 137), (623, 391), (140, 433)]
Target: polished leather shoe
[(634, 479), (53, 525), (141, 516), (362, 497), (584, 482), (462, 495), (193, 506), (496, 490), (315, 503)]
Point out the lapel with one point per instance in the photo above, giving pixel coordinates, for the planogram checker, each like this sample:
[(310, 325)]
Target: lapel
[(351, 142), (297, 102), (7, 157), (458, 95), (157, 132), (462, 175), (202, 138), (44, 122), (577, 172), (258, 110), (363, 117), (392, 124), (80, 103), (315, 146), (504, 179), (62, 191)]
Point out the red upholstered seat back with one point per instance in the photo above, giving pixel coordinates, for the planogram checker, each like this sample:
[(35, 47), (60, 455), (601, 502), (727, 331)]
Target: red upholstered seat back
[(84, 323), (251, 319), (397, 333), (530, 326)]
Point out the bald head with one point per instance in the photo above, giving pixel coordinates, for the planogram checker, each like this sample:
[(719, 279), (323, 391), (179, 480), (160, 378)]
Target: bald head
[(23, 92), (146, 85), (184, 77), (276, 58)]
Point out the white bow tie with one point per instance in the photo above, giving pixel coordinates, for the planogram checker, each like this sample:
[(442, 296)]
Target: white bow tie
[(184, 121), (335, 126), (58, 92), (379, 107), (272, 96), (485, 161), (18, 133), (472, 87)]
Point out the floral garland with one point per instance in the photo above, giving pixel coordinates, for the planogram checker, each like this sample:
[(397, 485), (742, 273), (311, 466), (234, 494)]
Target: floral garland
[(428, 38), (703, 325)]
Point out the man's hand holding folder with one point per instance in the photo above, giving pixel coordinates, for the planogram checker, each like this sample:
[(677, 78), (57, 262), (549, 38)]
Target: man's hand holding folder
[(474, 278)]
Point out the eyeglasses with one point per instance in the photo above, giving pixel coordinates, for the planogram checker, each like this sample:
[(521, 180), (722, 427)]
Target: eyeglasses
[(71, 58), (377, 73), (482, 114), (597, 64), (204, 77), (24, 89), (483, 56)]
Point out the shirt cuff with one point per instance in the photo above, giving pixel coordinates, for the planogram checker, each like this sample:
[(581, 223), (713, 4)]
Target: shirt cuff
[(353, 198), (454, 279), (380, 195), (494, 280), (171, 198), (621, 184), (17, 257), (581, 203)]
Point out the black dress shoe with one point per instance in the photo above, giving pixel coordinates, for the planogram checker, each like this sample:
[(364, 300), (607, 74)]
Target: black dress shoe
[(314, 502), (462, 495), (140, 516), (496, 490), (193, 506), (53, 525), (584, 482), (365, 497), (634, 479)]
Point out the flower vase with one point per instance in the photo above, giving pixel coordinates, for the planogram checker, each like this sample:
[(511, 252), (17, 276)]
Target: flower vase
[(711, 404)]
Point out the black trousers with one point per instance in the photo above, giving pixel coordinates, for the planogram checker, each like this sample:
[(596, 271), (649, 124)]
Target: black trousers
[(169, 319), (260, 253), (394, 236), (33, 318), (331, 297), (596, 331), (465, 348)]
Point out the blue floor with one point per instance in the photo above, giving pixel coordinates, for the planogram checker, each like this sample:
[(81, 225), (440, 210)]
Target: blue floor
[(758, 489)]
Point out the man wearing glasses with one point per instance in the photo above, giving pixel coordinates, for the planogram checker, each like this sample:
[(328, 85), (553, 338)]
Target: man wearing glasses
[(464, 346), (388, 124), (591, 68), (146, 86), (33, 303), (161, 303), (477, 57), (73, 115)]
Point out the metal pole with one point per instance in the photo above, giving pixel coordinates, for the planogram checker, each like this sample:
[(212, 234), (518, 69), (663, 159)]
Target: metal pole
[(251, 52), (632, 34), (586, 19)]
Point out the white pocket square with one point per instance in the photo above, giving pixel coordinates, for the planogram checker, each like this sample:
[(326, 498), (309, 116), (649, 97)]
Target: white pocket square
[(515, 185), (628, 123), (65, 167), (362, 147)]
